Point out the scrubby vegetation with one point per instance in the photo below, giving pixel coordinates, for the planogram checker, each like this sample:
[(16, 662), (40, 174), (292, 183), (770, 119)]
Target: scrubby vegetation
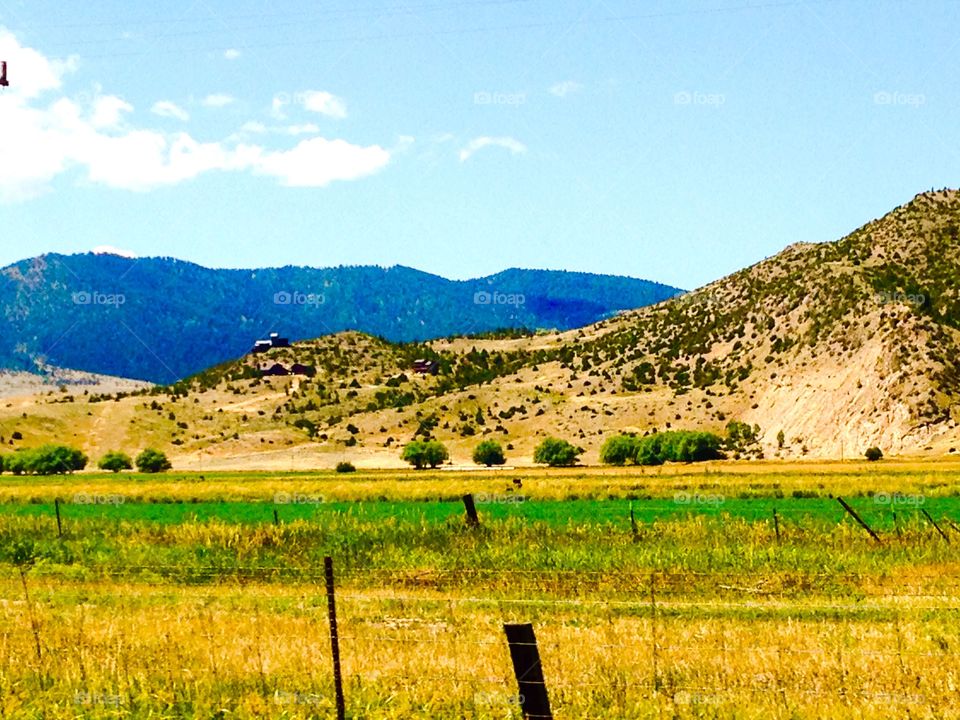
[(425, 453), (115, 461), (489, 452), (556, 453), (152, 461), (45, 460)]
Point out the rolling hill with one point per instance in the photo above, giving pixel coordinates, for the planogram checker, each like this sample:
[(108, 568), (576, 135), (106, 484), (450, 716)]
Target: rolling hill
[(825, 348), (161, 319)]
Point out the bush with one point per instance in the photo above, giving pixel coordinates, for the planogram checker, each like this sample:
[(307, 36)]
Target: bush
[(489, 453), (556, 453), (46, 460), (619, 450), (345, 467), (152, 461), (873, 454), (678, 446), (115, 461), (421, 453)]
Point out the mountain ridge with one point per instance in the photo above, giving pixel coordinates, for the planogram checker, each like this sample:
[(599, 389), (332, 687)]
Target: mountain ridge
[(162, 318)]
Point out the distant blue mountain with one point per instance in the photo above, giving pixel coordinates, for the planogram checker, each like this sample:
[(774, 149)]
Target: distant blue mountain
[(161, 319)]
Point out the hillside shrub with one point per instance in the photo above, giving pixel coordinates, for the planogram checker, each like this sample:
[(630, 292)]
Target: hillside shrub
[(115, 461), (556, 453), (152, 461), (345, 467), (619, 450), (489, 452), (421, 453)]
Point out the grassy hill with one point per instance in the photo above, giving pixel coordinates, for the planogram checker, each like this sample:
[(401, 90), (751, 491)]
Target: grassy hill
[(827, 348)]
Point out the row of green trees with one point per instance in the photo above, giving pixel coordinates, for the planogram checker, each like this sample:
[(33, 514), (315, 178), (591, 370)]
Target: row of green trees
[(432, 453), (671, 446), (44, 460), (63, 459), (148, 461)]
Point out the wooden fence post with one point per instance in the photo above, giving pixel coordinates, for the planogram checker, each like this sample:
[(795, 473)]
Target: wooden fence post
[(776, 524), (334, 638), (633, 525), (276, 517), (853, 514), (934, 523), (654, 654), (473, 520), (531, 685), (56, 507)]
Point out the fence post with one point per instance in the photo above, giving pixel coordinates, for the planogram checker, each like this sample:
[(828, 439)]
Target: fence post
[(56, 506), (334, 638), (934, 523), (526, 667), (853, 514), (633, 525), (776, 524), (473, 520), (653, 631), (276, 517)]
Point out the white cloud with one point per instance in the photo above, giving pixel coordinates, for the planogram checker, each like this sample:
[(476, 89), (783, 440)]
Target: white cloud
[(165, 108), (258, 128), (324, 103), (108, 110), (111, 250), (317, 101), (564, 88), (46, 134), (513, 145), (252, 126), (317, 162), (280, 101), (217, 100), (231, 54)]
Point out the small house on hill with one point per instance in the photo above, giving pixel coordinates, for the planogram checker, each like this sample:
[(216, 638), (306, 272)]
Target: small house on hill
[(274, 341), (426, 367), (275, 369)]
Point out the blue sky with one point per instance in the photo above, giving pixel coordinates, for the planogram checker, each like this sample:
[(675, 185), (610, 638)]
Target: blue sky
[(675, 141)]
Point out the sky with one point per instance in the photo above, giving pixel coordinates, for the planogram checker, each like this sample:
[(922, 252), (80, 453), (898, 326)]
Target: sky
[(675, 141)]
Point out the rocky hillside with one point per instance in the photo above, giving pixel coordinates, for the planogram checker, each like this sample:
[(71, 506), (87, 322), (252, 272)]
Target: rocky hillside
[(826, 349)]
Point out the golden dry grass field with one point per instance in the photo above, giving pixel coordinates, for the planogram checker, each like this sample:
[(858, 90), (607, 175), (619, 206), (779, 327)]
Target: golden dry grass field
[(175, 596)]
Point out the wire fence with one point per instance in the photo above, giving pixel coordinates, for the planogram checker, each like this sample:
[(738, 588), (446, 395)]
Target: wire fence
[(694, 641)]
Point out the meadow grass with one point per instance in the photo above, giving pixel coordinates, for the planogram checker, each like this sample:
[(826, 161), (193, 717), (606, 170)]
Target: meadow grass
[(162, 607)]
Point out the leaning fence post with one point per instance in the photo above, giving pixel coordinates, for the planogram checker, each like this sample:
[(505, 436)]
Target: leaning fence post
[(276, 517), (334, 638), (531, 685), (934, 523), (853, 514), (776, 524), (56, 507), (473, 520)]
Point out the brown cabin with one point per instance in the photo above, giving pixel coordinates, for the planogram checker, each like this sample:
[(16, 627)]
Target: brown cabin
[(301, 369), (275, 369)]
